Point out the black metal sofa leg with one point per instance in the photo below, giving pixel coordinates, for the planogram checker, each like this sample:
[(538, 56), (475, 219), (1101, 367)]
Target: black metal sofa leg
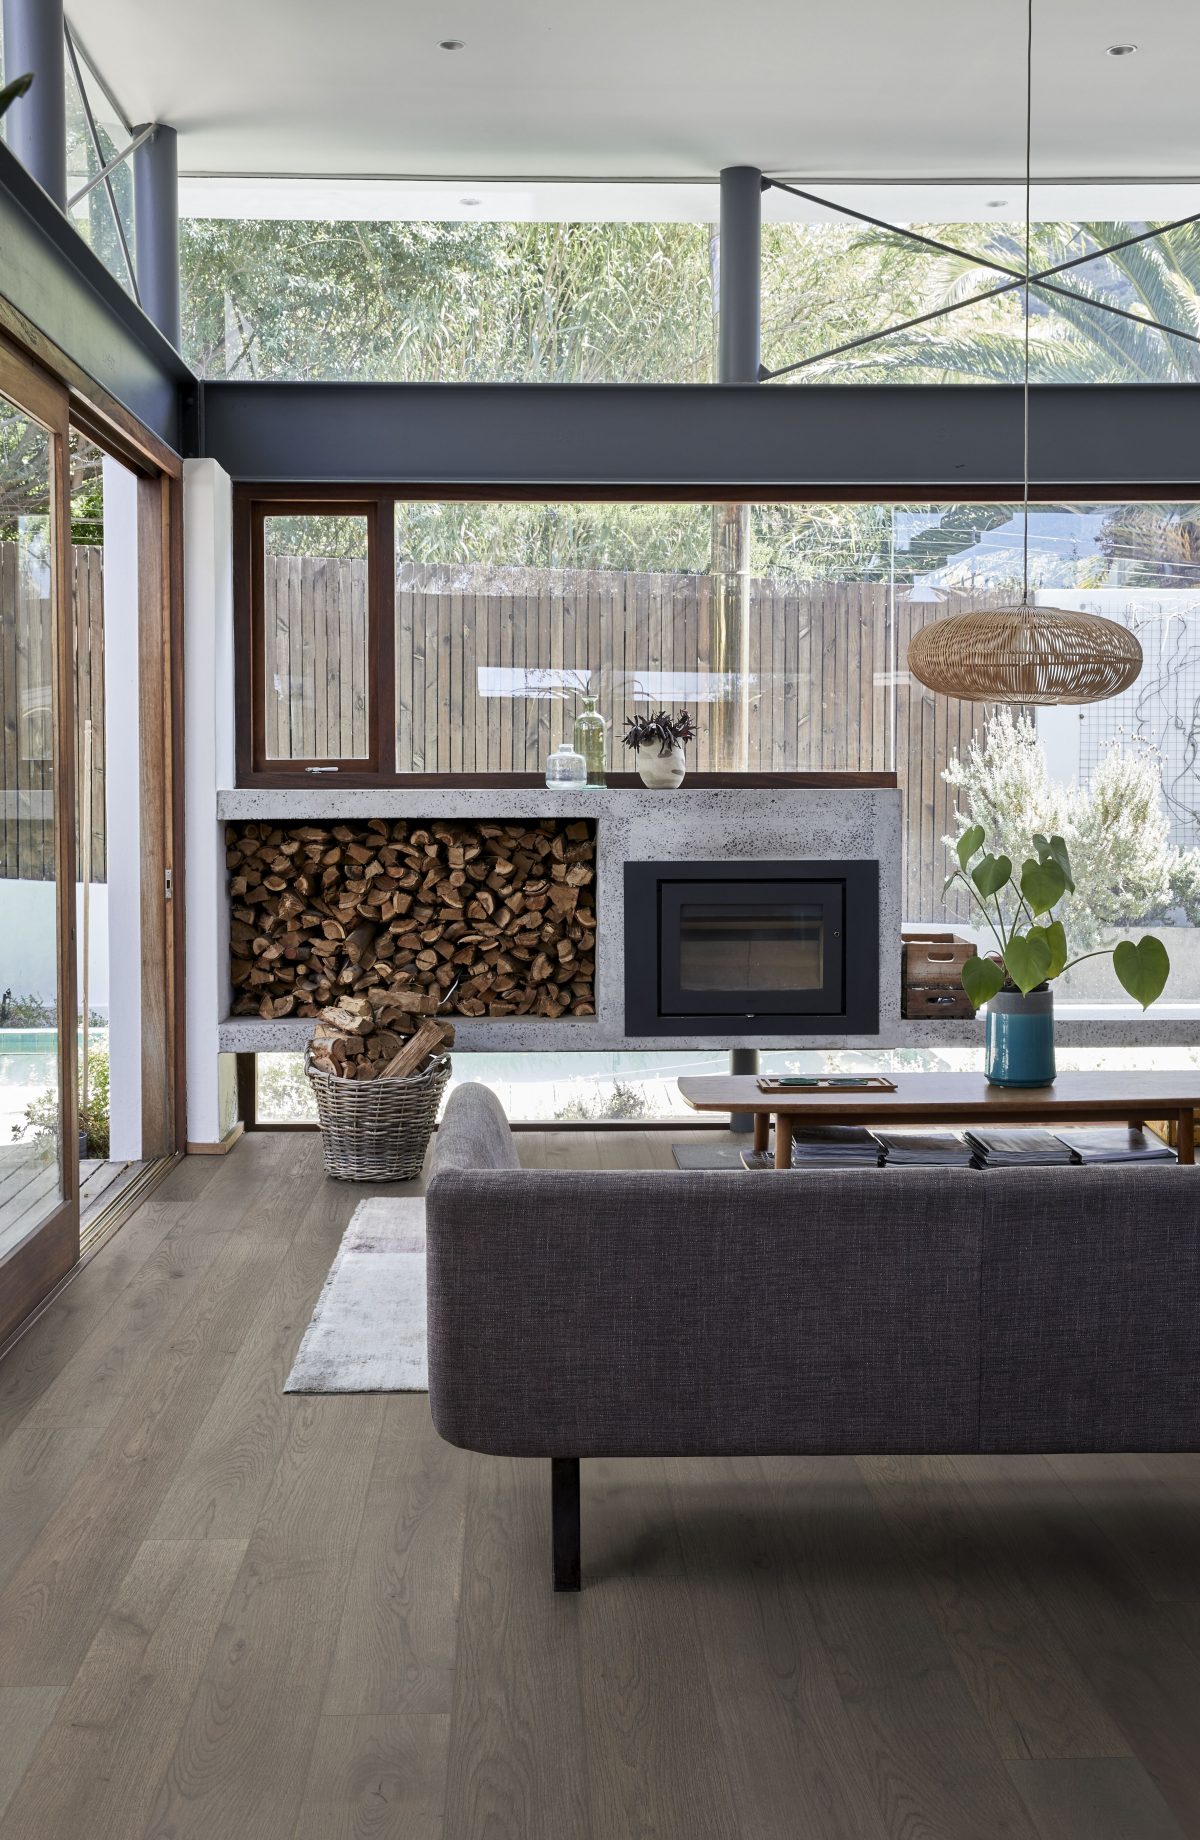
[(564, 1521)]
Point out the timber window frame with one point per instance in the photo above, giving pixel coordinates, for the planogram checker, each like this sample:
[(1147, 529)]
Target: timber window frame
[(252, 506), (254, 501)]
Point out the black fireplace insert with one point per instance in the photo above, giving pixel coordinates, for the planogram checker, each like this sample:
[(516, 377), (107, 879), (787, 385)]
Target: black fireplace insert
[(786, 947)]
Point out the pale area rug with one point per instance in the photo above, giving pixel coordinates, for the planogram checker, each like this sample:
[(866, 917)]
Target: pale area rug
[(367, 1333)]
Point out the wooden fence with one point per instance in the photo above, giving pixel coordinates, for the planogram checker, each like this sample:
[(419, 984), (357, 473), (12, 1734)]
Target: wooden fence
[(26, 704)]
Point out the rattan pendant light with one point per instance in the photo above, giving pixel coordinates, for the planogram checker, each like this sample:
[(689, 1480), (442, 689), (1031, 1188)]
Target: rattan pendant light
[(1026, 654)]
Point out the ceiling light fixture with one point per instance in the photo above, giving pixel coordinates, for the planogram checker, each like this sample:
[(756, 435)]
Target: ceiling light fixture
[(1026, 654), (451, 44), (1121, 50)]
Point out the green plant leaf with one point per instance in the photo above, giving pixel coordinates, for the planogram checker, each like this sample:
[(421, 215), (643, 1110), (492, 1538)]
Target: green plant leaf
[(1042, 884), (1053, 849), (991, 875), (1056, 945), (1027, 959), (970, 841), (10, 92), (1142, 968), (981, 979)]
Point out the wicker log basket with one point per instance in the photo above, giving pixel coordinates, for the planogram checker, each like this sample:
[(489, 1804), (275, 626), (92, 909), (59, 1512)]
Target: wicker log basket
[(377, 1130)]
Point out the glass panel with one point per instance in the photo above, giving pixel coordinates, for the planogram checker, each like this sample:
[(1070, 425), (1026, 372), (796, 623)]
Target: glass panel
[(776, 945), (1117, 779), (315, 637), (771, 624), (449, 302), (30, 1127), (826, 284), (93, 215)]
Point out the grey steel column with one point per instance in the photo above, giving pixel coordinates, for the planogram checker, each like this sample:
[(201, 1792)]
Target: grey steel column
[(156, 222), (741, 265), (36, 124), (738, 357)]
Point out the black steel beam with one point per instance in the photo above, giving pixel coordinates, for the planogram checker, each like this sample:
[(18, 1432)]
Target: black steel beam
[(800, 438), (51, 276)]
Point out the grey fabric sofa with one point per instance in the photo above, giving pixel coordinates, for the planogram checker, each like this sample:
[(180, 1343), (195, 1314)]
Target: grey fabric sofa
[(576, 1314)]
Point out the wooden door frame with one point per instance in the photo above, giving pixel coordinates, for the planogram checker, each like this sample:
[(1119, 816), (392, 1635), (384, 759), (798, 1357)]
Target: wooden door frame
[(160, 710), (160, 776), (53, 385), (31, 1269)]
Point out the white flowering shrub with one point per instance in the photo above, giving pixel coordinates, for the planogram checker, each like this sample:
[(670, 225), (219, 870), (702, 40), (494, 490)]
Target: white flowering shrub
[(1127, 872)]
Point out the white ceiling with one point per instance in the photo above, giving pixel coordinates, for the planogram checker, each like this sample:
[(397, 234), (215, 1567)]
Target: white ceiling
[(670, 89)]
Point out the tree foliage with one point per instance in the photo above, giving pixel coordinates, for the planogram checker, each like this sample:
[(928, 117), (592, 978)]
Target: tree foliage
[(1126, 870)]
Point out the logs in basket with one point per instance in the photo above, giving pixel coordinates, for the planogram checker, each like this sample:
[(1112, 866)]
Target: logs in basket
[(377, 1067)]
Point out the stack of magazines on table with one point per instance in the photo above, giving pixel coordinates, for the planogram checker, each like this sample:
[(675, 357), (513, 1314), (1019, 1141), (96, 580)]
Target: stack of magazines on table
[(850, 1146), (825, 1146)]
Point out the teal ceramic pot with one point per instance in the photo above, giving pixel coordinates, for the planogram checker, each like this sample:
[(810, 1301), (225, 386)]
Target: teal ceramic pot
[(1019, 1045)]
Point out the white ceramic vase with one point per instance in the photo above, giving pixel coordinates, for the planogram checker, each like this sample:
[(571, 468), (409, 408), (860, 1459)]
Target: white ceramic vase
[(662, 772)]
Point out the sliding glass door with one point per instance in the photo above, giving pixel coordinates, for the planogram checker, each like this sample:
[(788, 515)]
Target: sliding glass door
[(38, 1148)]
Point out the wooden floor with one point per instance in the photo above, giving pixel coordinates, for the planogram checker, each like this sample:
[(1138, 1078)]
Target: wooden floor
[(227, 1615)]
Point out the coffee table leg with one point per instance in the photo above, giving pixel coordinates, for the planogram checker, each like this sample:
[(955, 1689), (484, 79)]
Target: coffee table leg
[(762, 1130), (1186, 1150), (783, 1141)]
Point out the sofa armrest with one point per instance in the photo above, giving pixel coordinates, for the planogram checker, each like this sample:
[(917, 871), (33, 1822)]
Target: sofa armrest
[(474, 1132)]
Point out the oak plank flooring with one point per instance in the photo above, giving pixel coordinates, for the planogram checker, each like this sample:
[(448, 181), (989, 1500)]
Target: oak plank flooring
[(653, 1750), (381, 1778), (1147, 1507), (1104, 1798), (1134, 1651), (398, 1637), (239, 1763), (25, 1712), (97, 1770), (786, 1737), (225, 1612), (927, 1754), (1026, 1684), (516, 1768)]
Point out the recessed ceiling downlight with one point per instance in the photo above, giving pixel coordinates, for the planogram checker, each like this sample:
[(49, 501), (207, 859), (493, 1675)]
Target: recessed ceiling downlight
[(1121, 50), (451, 44)]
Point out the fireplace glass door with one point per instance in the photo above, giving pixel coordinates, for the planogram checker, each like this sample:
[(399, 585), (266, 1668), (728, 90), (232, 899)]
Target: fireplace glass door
[(742, 948)]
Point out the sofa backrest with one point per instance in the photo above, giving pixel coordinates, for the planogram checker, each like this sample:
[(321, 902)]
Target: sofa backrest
[(576, 1313)]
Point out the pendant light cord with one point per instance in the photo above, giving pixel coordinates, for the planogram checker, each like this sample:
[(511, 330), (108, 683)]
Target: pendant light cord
[(1028, 272)]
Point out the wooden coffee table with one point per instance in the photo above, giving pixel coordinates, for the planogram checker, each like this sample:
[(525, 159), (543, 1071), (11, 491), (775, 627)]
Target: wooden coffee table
[(952, 1099)]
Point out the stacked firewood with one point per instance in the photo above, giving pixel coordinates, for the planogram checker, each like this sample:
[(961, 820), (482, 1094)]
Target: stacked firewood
[(384, 1035), (486, 919)]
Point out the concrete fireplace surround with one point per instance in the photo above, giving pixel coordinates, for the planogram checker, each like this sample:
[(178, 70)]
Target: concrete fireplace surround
[(689, 824)]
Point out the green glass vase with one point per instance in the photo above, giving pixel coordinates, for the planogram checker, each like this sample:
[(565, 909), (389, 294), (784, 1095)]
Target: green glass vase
[(591, 740)]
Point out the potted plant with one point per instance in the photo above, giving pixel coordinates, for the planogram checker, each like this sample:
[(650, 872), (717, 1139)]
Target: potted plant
[(1031, 951), (659, 741)]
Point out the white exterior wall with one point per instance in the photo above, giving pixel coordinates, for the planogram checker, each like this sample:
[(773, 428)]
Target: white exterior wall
[(208, 766)]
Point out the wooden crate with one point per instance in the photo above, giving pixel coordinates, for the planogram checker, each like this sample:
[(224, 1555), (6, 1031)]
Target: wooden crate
[(928, 959), (937, 1003), (931, 977)]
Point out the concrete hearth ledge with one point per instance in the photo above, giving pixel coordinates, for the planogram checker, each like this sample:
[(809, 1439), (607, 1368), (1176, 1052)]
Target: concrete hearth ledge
[(704, 824), (1108, 1027)]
